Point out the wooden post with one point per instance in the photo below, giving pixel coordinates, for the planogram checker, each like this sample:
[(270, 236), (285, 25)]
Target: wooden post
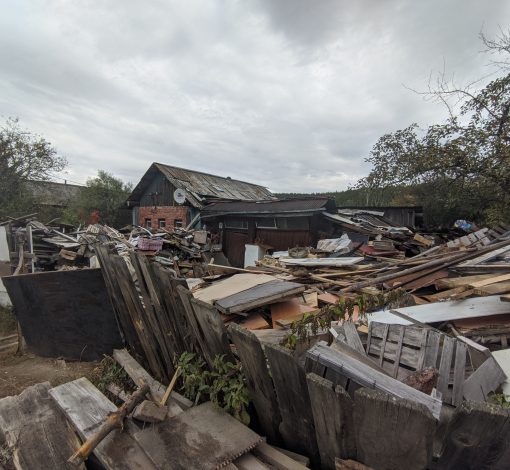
[(477, 437), (333, 411), (258, 381), (392, 432), (114, 420), (297, 428)]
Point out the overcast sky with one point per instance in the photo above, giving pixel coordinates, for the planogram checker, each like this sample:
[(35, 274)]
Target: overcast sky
[(290, 94)]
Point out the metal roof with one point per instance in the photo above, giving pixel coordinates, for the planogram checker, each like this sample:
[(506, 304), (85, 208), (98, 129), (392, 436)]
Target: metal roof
[(200, 186), (274, 206)]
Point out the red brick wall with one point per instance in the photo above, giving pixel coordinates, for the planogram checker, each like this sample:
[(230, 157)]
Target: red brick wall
[(168, 213)]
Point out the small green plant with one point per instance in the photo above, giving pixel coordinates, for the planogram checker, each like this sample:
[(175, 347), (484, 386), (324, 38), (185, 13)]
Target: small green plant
[(343, 309), (500, 399), (114, 373), (224, 386)]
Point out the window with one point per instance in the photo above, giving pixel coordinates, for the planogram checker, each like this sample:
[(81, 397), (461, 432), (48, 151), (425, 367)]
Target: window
[(177, 223), (266, 222), (162, 223), (240, 224), (292, 222), (148, 223)]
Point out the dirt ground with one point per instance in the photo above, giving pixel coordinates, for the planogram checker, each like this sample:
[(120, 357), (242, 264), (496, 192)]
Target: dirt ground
[(18, 373)]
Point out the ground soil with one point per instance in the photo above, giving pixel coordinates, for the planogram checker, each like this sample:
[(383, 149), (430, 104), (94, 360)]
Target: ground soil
[(18, 373)]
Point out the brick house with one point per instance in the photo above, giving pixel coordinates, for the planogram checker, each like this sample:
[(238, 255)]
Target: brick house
[(153, 204)]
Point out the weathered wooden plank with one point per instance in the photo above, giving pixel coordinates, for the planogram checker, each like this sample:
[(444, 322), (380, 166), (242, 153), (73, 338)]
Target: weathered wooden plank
[(432, 348), (352, 336), (408, 356), (154, 314), (382, 344), (486, 257), (486, 379), (370, 378), (303, 460), (445, 365), (157, 390), (412, 334), (258, 381), (392, 432), (459, 371), (493, 289), (37, 431), (87, 408), (289, 379), (281, 459), (343, 347), (65, 314), (452, 283), (487, 282), (477, 438), (333, 410), (201, 438), (126, 326), (249, 462), (215, 333), (350, 465), (398, 351), (137, 314), (262, 294)]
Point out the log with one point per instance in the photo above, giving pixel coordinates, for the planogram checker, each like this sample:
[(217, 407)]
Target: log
[(114, 420)]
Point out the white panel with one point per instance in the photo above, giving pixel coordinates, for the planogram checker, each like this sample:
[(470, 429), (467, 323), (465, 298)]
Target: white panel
[(4, 256)]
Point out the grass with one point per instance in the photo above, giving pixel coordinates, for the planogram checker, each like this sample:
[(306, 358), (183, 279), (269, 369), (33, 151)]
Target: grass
[(8, 321), (113, 373)]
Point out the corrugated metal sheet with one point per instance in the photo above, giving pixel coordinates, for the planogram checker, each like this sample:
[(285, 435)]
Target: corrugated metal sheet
[(280, 205), (201, 185)]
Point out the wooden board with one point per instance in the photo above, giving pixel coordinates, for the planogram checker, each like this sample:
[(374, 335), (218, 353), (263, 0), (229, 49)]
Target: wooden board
[(426, 280), (462, 281), (493, 289), (87, 408), (392, 432), (254, 321), (286, 309), (477, 437), (487, 282), (233, 285), (267, 293), (66, 314), (258, 381), (281, 459), (352, 336), (201, 438), (343, 347), (368, 377), (486, 379), (446, 311), (40, 434), (249, 462), (297, 427), (301, 459), (333, 411)]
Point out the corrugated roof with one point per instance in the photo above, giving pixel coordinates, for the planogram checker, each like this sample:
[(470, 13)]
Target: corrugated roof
[(200, 185), (278, 205)]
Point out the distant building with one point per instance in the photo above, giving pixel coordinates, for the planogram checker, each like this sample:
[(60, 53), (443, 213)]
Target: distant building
[(386, 216), (49, 193), (154, 205)]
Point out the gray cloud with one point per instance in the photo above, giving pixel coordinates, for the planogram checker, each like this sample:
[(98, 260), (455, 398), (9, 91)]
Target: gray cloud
[(290, 94)]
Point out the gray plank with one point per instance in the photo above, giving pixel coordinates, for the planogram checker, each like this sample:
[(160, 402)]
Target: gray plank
[(398, 351), (201, 438), (87, 408), (412, 334), (215, 333), (383, 344), (258, 381), (352, 336), (432, 348), (333, 412), (486, 379), (40, 434), (445, 366), (370, 378), (263, 294), (343, 347), (297, 426), (392, 432), (459, 372), (477, 438)]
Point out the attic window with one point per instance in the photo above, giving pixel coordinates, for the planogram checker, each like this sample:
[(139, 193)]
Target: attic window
[(217, 188)]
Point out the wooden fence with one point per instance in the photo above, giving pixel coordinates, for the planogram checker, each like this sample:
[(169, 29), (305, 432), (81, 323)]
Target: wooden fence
[(300, 407)]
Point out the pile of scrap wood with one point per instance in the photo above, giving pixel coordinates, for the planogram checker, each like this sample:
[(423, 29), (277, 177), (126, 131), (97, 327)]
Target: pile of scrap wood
[(155, 429)]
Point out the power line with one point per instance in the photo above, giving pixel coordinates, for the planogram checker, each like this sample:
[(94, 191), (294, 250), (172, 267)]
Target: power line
[(65, 179)]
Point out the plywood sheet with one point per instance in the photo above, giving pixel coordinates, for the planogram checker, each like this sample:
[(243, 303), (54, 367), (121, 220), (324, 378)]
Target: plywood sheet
[(254, 321), (233, 285), (285, 309)]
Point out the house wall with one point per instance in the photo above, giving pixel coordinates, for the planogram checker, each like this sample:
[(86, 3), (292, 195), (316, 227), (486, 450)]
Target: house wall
[(169, 213), (159, 193)]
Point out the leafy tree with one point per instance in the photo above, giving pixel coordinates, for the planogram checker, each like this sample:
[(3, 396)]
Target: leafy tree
[(102, 199), (463, 164), (23, 156)]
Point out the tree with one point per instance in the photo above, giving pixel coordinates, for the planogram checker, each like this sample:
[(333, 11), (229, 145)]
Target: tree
[(102, 200), (462, 164), (23, 156)]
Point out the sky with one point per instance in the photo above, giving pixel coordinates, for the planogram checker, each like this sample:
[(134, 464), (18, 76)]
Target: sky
[(288, 94)]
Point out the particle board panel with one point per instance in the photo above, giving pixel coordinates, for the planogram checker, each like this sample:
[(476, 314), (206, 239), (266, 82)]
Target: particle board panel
[(286, 309)]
